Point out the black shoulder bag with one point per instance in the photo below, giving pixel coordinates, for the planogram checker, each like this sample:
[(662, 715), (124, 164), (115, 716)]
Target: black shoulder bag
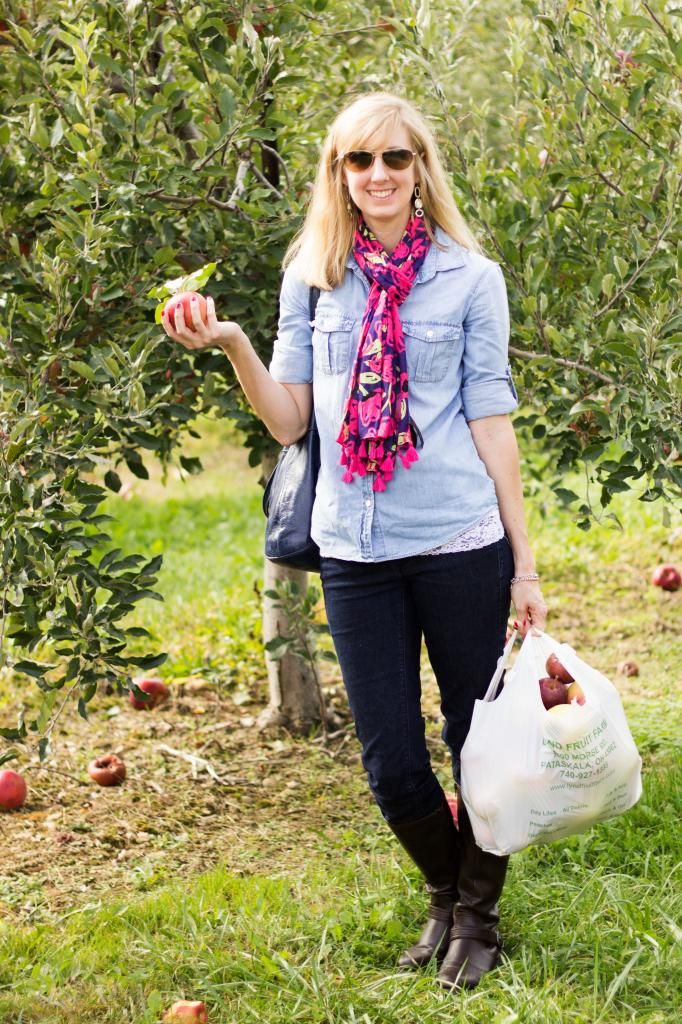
[(289, 495)]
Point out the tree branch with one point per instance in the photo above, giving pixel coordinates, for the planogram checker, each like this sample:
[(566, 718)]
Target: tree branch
[(522, 353), (610, 184), (278, 156), (654, 18), (633, 277), (187, 202), (264, 181), (601, 103)]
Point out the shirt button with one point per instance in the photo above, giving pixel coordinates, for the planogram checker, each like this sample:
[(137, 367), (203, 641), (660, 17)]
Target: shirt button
[(368, 502), (429, 334)]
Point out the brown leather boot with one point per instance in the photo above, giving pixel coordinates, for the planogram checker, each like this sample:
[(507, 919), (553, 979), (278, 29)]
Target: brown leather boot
[(433, 844), (475, 943)]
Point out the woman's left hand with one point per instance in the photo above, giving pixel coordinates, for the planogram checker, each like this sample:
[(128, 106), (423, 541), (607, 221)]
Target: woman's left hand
[(531, 610)]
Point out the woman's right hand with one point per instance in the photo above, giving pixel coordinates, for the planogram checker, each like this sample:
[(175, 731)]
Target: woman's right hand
[(224, 333)]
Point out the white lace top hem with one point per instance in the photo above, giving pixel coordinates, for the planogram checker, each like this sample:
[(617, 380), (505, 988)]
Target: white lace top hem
[(486, 531)]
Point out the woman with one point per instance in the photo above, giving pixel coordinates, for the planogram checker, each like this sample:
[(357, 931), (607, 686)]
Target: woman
[(419, 510)]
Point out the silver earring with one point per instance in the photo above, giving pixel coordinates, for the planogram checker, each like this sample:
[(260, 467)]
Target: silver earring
[(418, 205)]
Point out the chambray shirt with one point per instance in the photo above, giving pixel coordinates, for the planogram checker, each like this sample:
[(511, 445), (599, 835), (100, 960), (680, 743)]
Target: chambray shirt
[(456, 326)]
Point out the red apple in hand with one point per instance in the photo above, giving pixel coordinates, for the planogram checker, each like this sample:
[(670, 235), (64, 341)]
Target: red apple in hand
[(556, 669), (158, 693), (108, 770), (185, 298), (552, 692), (187, 1009), (12, 790), (667, 577)]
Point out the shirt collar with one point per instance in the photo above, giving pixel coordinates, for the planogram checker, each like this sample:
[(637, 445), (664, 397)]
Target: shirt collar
[(435, 261)]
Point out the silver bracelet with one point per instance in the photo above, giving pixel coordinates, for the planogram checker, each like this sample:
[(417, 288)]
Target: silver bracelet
[(530, 576)]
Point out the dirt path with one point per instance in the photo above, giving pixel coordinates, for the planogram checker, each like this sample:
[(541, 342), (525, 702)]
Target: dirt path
[(277, 801)]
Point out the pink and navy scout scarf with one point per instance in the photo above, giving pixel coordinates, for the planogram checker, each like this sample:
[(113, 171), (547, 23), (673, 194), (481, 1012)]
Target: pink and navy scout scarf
[(376, 422)]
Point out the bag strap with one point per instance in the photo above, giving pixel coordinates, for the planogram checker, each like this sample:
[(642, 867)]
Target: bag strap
[(501, 665), (313, 297)]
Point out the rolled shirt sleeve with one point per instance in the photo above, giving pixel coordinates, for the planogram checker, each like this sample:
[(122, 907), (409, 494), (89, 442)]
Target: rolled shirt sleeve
[(487, 386), (292, 355)]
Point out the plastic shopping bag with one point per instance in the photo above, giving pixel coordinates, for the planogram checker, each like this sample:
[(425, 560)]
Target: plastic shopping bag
[(531, 776)]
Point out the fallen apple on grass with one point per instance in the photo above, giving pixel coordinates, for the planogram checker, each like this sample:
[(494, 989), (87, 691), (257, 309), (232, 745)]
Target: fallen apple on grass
[(158, 693), (108, 770), (552, 692), (185, 298), (667, 577), (556, 669), (628, 668), (187, 1009), (13, 790)]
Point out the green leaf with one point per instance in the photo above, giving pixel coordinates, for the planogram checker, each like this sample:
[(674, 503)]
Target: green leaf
[(112, 480), (607, 283), (153, 565), (82, 369), (636, 21), (141, 595), (31, 668), (191, 465), (226, 103), (137, 468), (279, 644), (148, 661), (14, 734)]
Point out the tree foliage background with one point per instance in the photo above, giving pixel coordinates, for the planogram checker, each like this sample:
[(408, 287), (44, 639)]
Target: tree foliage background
[(141, 142)]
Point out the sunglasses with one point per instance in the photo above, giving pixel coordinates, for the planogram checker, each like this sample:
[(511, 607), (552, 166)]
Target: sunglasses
[(362, 159)]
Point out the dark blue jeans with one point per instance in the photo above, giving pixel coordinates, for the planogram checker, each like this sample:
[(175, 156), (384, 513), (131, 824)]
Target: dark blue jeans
[(377, 614)]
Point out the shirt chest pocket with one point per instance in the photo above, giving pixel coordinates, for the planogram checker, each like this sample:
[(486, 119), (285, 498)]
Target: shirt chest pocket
[(432, 349), (332, 336)]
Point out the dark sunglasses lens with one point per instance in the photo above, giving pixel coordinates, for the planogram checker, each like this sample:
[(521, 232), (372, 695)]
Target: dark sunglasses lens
[(397, 159), (358, 160)]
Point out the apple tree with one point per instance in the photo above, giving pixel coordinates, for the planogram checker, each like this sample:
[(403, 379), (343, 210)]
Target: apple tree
[(567, 165), (139, 143), (144, 142)]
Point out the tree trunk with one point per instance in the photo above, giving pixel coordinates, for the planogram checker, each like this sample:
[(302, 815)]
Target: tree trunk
[(294, 702)]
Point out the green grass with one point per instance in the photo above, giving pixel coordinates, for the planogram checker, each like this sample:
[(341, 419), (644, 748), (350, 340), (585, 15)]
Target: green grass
[(592, 923), (209, 529), (589, 924)]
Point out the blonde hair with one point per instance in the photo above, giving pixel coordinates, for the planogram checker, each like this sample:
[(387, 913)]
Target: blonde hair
[(321, 247)]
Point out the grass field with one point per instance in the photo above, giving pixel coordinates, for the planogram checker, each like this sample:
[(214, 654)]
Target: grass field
[(285, 897)]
